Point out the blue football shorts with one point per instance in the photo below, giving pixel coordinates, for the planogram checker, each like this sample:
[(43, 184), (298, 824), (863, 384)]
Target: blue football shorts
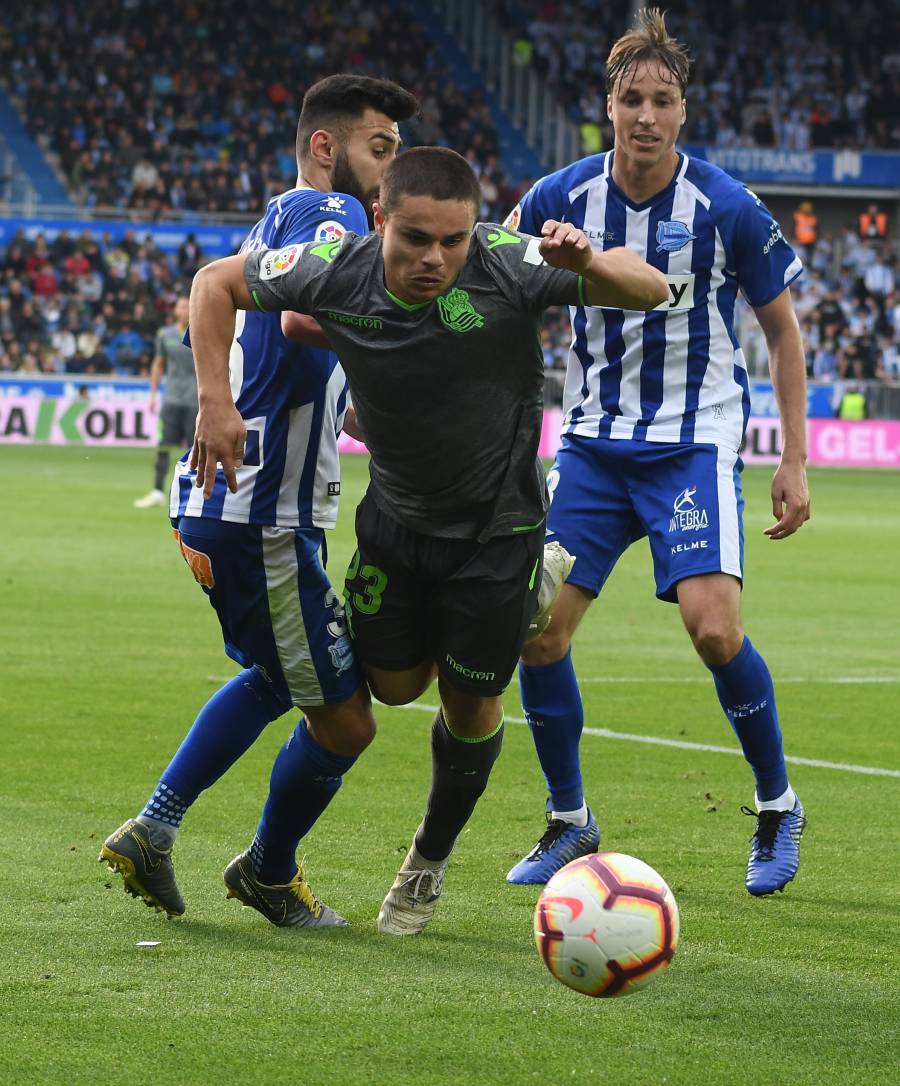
[(275, 604), (606, 494)]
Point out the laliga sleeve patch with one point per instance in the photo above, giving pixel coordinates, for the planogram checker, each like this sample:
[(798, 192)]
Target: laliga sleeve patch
[(511, 222), (330, 231), (278, 262)]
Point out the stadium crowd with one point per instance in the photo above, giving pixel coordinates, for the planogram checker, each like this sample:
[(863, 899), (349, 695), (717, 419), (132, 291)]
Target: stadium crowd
[(165, 107), (85, 305), (766, 73), (161, 108)]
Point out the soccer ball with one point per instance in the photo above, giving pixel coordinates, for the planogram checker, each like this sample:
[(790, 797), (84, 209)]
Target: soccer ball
[(606, 924)]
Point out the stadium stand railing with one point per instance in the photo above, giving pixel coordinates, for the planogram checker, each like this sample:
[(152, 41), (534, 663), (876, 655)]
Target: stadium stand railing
[(522, 93)]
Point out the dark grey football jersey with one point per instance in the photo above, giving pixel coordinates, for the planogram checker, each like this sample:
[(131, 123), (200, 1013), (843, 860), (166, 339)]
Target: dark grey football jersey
[(181, 380), (449, 393)]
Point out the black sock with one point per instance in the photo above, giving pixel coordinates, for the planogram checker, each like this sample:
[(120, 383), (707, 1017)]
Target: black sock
[(161, 469), (459, 774)]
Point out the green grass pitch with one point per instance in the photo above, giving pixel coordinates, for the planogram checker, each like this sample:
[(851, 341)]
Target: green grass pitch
[(107, 651)]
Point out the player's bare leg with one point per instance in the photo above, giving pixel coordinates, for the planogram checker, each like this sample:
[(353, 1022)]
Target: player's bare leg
[(710, 608), (400, 687), (555, 715), (465, 741)]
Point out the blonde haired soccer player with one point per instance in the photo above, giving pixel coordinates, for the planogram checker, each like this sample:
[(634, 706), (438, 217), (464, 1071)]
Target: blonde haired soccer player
[(655, 410)]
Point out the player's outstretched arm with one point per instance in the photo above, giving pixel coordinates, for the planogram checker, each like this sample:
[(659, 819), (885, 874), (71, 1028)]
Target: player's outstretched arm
[(219, 290), (616, 278), (301, 328), (787, 364)]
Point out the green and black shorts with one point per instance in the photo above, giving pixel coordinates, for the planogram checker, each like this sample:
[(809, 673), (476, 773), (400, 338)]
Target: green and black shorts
[(466, 605)]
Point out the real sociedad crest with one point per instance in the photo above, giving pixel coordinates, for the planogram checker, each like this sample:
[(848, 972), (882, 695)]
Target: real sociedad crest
[(672, 236)]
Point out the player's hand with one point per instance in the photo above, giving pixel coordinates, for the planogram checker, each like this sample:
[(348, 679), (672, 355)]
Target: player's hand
[(790, 500), (565, 246), (219, 439), (152, 403)]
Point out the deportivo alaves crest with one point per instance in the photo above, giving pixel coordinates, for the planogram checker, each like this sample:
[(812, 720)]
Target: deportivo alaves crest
[(457, 312)]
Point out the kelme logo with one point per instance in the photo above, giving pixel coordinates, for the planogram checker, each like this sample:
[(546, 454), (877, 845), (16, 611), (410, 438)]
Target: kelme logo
[(458, 313)]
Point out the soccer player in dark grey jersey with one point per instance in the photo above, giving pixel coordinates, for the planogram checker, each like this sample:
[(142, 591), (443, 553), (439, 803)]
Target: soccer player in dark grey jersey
[(436, 322), (179, 402)]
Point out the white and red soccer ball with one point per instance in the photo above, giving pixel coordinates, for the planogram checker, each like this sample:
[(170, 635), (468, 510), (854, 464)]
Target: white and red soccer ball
[(606, 924)]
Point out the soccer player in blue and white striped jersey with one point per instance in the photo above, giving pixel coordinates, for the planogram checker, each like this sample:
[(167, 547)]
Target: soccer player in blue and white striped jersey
[(255, 549), (655, 410)]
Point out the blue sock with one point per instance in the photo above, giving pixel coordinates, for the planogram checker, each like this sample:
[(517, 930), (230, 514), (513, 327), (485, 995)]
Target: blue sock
[(747, 695), (228, 725), (552, 703), (304, 779)]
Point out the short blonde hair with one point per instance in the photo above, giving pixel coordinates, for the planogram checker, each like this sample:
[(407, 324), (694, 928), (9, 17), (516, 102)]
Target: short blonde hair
[(648, 40)]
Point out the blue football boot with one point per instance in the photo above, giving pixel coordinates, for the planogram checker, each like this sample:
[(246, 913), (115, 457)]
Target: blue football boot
[(562, 842), (774, 849)]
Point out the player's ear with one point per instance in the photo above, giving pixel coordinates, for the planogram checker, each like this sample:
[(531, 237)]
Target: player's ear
[(378, 218), (683, 110), (609, 106), (322, 148)]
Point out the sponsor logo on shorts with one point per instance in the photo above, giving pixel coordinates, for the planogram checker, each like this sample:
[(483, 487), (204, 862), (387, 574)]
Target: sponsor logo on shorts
[(356, 320), (334, 490), (330, 231), (694, 545), (687, 516), (468, 672), (279, 262), (198, 563)]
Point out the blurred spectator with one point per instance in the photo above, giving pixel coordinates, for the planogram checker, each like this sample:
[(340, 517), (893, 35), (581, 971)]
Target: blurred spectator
[(853, 404), (124, 349), (806, 226), (879, 278), (190, 256), (873, 223)]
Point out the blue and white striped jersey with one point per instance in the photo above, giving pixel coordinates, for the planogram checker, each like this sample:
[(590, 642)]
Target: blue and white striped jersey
[(676, 374), (292, 398)]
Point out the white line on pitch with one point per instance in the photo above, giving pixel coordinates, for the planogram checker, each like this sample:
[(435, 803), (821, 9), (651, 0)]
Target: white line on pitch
[(839, 679), (637, 680), (680, 744)]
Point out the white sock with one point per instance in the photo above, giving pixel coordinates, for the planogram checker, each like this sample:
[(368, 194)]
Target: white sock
[(784, 802), (161, 834), (578, 817)]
